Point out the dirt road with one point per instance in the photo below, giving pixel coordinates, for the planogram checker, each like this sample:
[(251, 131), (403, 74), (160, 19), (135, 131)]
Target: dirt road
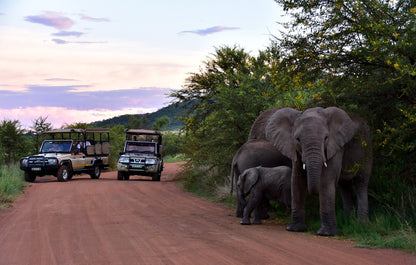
[(106, 221)]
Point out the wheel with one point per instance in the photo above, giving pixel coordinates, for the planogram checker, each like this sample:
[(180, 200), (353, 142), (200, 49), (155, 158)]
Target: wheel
[(96, 172), (123, 175), (63, 174), (29, 177), (156, 177)]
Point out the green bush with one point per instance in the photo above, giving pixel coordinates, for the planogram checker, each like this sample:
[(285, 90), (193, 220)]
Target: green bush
[(11, 183)]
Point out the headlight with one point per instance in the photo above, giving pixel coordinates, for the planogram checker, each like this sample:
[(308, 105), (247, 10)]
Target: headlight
[(23, 162), (124, 160), (150, 161), (52, 161)]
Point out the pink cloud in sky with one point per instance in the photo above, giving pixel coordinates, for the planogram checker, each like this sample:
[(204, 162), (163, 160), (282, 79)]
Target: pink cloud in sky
[(52, 19), (61, 116), (85, 17)]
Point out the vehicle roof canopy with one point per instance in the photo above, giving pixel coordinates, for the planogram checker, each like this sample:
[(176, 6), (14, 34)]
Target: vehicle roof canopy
[(86, 130), (143, 132)]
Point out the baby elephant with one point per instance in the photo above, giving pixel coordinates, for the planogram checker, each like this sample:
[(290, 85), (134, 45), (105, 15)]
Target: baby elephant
[(264, 183)]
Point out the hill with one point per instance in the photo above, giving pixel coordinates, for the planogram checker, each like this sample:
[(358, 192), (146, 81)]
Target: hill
[(172, 112)]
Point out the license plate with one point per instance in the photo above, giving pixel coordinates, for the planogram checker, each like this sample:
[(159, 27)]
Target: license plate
[(36, 168), (136, 166)]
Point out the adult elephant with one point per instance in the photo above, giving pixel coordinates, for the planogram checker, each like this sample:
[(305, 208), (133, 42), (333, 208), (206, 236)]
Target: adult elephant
[(254, 153), (327, 148)]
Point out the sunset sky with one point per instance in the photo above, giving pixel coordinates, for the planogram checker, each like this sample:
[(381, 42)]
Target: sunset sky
[(88, 60)]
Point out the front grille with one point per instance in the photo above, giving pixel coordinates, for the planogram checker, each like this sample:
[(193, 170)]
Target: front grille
[(137, 160), (35, 161)]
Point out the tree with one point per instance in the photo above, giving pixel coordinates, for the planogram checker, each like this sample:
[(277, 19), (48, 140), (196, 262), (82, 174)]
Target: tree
[(136, 123), (11, 141), (161, 123), (39, 126), (364, 55), (224, 98)]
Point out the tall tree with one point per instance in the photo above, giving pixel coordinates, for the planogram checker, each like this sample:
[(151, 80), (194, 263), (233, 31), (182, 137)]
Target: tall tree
[(39, 126), (11, 141), (161, 123), (225, 97), (365, 53)]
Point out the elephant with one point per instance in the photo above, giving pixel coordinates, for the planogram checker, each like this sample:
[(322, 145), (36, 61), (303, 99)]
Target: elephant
[(252, 154), (328, 148), (261, 183)]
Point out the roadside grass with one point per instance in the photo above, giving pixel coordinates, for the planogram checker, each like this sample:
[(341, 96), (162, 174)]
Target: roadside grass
[(384, 230), (174, 158), (12, 183)]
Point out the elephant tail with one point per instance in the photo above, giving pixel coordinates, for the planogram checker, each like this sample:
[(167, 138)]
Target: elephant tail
[(232, 178)]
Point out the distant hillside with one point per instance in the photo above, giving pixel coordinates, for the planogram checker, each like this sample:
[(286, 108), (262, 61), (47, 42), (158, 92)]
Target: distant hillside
[(170, 111)]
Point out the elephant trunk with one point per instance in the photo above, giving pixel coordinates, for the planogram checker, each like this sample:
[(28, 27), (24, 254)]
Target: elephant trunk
[(314, 162)]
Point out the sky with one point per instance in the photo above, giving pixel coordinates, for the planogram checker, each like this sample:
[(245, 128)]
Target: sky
[(90, 60)]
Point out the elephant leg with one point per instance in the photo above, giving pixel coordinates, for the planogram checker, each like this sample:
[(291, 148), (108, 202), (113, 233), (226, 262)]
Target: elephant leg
[(327, 192), (346, 196), (241, 203), (257, 215), (263, 209), (362, 198), (251, 205), (327, 212), (299, 190)]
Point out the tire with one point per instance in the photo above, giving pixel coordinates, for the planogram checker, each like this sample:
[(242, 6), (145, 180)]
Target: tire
[(156, 176), (96, 172), (30, 177), (63, 174), (122, 175)]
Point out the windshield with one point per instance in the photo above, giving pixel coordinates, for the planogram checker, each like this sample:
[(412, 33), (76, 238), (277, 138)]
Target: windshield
[(56, 146), (140, 147)]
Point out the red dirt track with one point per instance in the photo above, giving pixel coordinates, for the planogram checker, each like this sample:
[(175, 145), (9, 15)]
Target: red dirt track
[(106, 221)]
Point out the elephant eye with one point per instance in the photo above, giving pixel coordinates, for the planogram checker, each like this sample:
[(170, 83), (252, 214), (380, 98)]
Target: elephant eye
[(326, 138), (297, 139)]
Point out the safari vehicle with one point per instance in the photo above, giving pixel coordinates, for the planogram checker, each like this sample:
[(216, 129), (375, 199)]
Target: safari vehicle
[(142, 155), (69, 152)]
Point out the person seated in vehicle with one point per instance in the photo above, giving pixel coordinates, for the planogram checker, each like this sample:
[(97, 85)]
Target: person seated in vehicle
[(77, 148)]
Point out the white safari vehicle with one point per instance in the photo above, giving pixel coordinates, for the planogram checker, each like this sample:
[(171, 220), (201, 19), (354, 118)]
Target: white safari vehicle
[(69, 152), (142, 155)]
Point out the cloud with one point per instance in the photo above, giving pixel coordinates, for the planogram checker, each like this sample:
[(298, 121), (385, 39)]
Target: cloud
[(86, 17), (61, 116), (52, 19), (208, 31), (61, 41), (64, 33), (60, 79), (80, 97)]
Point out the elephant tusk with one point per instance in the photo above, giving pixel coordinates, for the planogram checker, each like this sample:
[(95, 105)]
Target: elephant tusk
[(304, 166), (325, 164)]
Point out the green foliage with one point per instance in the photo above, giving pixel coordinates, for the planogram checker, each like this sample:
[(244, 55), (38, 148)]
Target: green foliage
[(136, 122), (117, 139), (224, 99), (172, 143), (12, 141), (39, 126), (363, 55), (161, 123), (11, 183)]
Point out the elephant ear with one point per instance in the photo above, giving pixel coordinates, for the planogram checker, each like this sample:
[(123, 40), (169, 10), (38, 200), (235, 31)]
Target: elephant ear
[(341, 130), (251, 176), (279, 131)]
